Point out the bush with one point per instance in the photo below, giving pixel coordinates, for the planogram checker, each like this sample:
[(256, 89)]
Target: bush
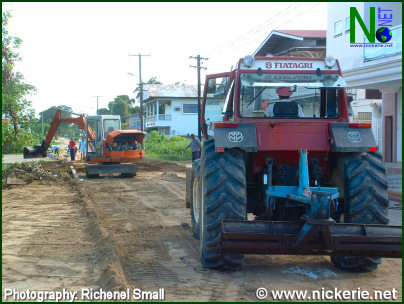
[(161, 147)]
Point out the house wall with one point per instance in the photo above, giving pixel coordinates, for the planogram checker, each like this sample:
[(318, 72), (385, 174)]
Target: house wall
[(182, 123), (384, 73), (390, 110), (339, 47), (213, 112)]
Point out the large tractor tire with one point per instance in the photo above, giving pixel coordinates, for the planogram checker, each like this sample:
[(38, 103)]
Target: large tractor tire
[(195, 197), (365, 200), (224, 196)]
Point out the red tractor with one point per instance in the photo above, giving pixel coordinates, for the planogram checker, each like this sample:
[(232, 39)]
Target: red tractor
[(284, 171)]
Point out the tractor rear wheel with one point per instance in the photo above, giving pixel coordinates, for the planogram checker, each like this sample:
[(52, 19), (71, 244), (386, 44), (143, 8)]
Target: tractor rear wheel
[(195, 197), (365, 200), (224, 196)]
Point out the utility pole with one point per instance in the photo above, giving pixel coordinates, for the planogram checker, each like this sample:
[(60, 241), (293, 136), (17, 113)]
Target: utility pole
[(141, 92), (198, 70), (97, 104), (42, 122)]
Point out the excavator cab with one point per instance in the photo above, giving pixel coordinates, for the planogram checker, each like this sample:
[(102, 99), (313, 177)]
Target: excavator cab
[(102, 125)]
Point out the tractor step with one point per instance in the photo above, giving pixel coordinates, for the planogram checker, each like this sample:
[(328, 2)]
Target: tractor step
[(93, 169), (266, 237)]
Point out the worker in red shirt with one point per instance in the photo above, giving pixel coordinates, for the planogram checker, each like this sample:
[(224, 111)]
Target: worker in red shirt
[(72, 148)]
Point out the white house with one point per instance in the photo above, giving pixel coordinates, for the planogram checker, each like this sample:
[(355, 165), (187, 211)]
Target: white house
[(372, 68), (171, 109)]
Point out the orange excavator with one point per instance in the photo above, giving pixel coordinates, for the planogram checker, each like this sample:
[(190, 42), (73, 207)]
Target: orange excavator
[(39, 151), (108, 148)]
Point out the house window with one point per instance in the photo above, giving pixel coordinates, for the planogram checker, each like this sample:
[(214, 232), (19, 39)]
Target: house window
[(190, 108), (367, 116), (373, 94), (338, 28), (347, 24), (372, 53)]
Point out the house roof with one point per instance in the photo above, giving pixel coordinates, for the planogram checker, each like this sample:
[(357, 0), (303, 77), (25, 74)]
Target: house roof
[(305, 33), (281, 41), (170, 91)]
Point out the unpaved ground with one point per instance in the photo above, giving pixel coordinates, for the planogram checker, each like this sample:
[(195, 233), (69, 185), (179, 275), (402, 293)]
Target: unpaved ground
[(117, 233)]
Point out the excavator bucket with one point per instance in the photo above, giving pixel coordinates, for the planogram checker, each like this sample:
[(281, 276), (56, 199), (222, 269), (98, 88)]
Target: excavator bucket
[(33, 152), (311, 238)]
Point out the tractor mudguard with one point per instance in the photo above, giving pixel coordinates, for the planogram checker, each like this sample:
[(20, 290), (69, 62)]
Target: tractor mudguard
[(243, 137), (348, 139)]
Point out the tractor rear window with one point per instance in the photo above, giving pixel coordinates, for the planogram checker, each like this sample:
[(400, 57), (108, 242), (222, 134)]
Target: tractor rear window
[(287, 100)]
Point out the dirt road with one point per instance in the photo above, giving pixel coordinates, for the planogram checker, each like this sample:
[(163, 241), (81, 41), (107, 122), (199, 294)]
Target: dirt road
[(117, 233)]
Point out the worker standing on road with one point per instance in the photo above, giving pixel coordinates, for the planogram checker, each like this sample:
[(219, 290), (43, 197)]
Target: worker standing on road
[(82, 147), (195, 147), (72, 148)]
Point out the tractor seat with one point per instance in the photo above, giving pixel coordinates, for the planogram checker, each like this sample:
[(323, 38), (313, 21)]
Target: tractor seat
[(286, 109)]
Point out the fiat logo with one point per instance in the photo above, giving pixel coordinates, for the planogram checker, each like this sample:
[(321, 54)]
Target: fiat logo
[(268, 65), (353, 137), (235, 137)]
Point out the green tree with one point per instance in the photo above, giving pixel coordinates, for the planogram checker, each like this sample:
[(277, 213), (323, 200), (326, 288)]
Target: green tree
[(125, 98), (134, 110), (64, 128), (17, 116), (49, 113), (153, 80), (103, 111), (119, 107)]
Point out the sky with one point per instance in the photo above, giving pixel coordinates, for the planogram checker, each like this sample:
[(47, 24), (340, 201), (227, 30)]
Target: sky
[(72, 52)]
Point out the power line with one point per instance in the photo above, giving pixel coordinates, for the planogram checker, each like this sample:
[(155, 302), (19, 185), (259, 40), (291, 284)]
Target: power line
[(198, 70), (263, 25)]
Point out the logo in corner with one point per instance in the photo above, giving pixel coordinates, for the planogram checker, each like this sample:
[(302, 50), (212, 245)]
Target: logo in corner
[(353, 137), (235, 137)]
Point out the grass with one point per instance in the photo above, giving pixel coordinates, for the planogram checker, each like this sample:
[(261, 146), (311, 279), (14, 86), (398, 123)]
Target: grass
[(160, 147), (173, 158), (5, 166)]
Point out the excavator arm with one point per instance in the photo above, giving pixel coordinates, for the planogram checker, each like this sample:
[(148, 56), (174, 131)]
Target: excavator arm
[(40, 151)]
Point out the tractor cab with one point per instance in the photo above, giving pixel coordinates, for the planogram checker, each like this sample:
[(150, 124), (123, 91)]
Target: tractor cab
[(268, 88)]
